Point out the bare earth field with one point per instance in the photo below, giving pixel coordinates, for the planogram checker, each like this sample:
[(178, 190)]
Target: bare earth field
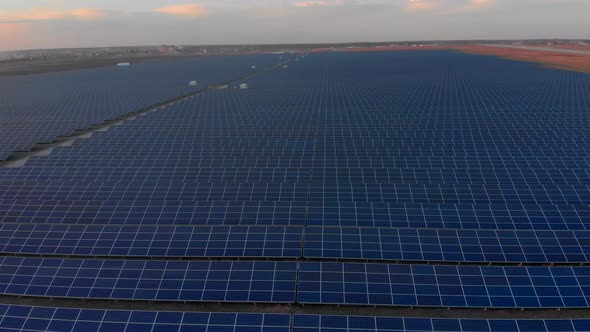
[(15, 68), (561, 60), (558, 59), (382, 48), (575, 47), (10, 68)]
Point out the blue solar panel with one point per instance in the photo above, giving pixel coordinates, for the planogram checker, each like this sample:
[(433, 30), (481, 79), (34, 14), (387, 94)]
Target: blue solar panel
[(442, 285), (152, 241), (410, 244), (278, 241), (332, 323), (26, 318), (192, 281), (406, 190), (152, 212), (451, 216)]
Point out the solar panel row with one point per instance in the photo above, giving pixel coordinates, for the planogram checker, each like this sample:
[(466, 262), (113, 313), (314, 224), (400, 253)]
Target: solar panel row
[(37, 319), (443, 285), (174, 212), (542, 194), (397, 244), (452, 216), (194, 281), (327, 283), (152, 241), (446, 245), (327, 323), (150, 212), (24, 318)]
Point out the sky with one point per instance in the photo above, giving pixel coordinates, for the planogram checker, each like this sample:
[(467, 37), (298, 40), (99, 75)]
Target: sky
[(31, 24)]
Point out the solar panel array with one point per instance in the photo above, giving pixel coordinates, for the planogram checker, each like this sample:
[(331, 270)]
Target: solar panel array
[(448, 245), (443, 286), (200, 281), (317, 323), (24, 318), (32, 319), (388, 244), (347, 179), (39, 108), (152, 241)]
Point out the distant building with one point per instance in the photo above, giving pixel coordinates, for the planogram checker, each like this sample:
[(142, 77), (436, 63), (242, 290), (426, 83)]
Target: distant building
[(165, 49)]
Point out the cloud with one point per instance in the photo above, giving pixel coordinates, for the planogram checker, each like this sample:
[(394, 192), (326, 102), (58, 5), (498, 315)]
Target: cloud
[(186, 10), (418, 5), (86, 13), (447, 6), (317, 3), (44, 14), (480, 3)]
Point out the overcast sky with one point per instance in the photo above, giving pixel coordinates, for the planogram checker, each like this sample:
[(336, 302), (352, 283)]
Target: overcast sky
[(26, 24)]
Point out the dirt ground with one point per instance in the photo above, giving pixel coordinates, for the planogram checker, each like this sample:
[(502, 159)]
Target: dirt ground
[(16, 68), (382, 48), (576, 47), (576, 62)]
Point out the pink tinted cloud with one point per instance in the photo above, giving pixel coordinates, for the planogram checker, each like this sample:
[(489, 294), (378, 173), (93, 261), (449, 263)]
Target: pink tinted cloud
[(317, 3), (44, 14), (418, 5), (447, 6), (480, 3), (187, 10)]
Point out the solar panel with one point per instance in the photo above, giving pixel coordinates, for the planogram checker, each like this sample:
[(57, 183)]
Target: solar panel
[(26, 318), (333, 323), (451, 216), (443, 285), (153, 212), (402, 189), (411, 244), (164, 280), (151, 241), (278, 241)]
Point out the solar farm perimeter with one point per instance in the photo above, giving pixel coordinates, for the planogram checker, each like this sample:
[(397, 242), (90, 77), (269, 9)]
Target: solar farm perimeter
[(361, 191)]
